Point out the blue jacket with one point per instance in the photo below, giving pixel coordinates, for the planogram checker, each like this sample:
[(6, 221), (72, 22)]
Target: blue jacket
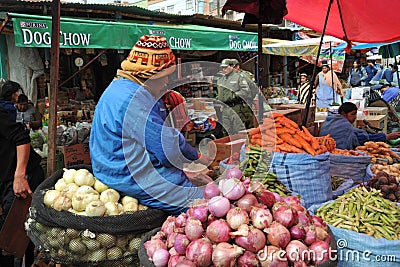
[(133, 151), (387, 75), (344, 133), (371, 72)]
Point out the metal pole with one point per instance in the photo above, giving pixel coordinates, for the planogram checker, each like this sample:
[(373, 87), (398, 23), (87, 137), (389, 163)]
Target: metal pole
[(260, 76), (309, 97), (333, 85), (54, 67)]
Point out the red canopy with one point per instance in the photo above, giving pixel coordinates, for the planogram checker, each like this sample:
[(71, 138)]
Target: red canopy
[(366, 21)]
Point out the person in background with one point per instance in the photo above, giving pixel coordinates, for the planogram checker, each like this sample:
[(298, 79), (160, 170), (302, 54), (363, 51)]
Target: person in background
[(340, 127), (371, 70), (20, 170), (233, 90), (357, 75), (327, 93), (304, 88), (132, 150), (253, 91), (27, 113), (387, 74)]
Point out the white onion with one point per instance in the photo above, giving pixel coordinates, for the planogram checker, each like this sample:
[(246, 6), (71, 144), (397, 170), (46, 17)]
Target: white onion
[(95, 208), (62, 203), (84, 177), (83, 196), (60, 184), (69, 175), (111, 208), (127, 199), (109, 195), (50, 196), (99, 186), (70, 189), (131, 206)]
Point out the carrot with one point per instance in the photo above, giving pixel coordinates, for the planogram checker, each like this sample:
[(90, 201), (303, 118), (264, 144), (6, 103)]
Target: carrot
[(254, 131), (276, 115), (306, 131), (271, 134), (304, 136), (289, 148), (268, 138), (290, 140), (306, 146), (279, 141), (256, 141), (288, 122), (258, 135), (315, 144), (280, 131)]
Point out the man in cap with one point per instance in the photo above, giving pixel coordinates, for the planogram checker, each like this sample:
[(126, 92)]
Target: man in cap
[(233, 89), (131, 148)]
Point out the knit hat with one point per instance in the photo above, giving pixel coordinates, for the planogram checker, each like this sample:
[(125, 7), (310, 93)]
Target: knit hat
[(149, 56), (304, 74)]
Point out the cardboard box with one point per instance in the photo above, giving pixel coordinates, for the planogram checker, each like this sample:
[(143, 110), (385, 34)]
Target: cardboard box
[(224, 147), (379, 121), (373, 111), (75, 154)]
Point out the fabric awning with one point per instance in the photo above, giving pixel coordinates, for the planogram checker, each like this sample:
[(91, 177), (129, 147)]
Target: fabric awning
[(306, 47), (35, 31), (366, 21)]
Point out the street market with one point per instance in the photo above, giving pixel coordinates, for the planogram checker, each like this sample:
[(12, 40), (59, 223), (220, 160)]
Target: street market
[(152, 139)]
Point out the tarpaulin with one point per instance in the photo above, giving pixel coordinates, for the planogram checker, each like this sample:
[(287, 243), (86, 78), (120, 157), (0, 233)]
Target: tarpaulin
[(367, 21)]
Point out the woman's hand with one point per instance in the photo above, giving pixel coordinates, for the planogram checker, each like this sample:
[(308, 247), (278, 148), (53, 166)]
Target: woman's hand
[(393, 136)]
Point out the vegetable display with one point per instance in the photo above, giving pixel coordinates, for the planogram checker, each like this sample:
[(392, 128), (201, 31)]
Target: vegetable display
[(242, 225), (387, 184), (365, 212), (78, 191), (393, 170), (378, 150), (281, 134), (345, 152)]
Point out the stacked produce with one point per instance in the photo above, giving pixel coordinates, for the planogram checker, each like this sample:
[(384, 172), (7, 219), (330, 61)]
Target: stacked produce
[(387, 184), (393, 170), (240, 223), (281, 134), (328, 142), (378, 150), (85, 246), (78, 191), (365, 212), (345, 152)]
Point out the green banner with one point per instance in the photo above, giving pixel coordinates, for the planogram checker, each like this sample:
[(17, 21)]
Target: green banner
[(35, 31)]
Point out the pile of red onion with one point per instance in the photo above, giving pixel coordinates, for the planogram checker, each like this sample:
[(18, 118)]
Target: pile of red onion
[(240, 223)]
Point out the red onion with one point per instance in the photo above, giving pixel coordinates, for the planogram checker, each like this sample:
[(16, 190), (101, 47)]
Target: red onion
[(320, 252), (277, 205), (278, 198), (278, 235), (291, 200), (159, 235), (200, 213), (311, 235), (296, 251), (161, 257), (246, 202), (297, 232), (210, 190), (298, 207), (253, 242), (234, 173), (174, 259), (199, 252), (210, 219), (218, 231), (152, 245), (180, 221), (248, 259), (272, 256), (246, 181), (319, 222), (304, 219), (169, 225), (261, 218), (225, 254), (171, 240), (219, 206), (232, 188), (181, 243), (254, 186), (321, 233), (193, 229), (286, 216), (266, 197), (185, 263), (236, 217), (243, 230)]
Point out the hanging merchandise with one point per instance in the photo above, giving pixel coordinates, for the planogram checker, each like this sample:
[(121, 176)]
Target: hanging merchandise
[(89, 51), (103, 60)]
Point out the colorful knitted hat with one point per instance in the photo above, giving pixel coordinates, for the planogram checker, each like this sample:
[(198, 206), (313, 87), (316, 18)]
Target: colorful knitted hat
[(149, 56)]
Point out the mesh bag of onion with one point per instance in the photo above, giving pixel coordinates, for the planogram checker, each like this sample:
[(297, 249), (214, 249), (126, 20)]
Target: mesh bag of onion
[(44, 221)]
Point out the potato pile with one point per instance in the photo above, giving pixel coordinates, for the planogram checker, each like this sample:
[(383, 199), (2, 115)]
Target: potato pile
[(393, 169), (345, 152), (378, 150), (387, 184)]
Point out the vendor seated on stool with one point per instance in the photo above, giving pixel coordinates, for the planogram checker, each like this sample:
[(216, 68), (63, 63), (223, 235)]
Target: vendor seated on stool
[(340, 127)]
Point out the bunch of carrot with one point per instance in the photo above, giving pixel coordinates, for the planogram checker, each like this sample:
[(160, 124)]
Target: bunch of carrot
[(281, 134), (327, 141)]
